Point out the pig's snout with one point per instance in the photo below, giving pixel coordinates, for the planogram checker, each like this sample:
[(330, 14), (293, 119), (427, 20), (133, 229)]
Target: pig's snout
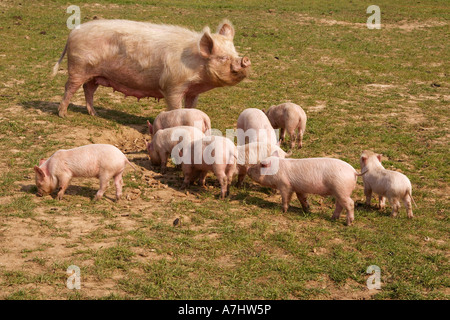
[(245, 62)]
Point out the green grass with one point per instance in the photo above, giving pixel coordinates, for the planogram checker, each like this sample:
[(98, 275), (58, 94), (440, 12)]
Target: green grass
[(385, 90)]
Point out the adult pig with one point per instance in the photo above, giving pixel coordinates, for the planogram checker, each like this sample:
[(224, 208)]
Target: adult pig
[(322, 176), (212, 153), (288, 117), (386, 183), (253, 124), (102, 161), (150, 60), (163, 142), (180, 117)]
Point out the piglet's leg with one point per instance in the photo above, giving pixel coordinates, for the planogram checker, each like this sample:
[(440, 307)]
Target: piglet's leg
[(382, 202), (303, 201), (118, 182), (286, 196), (103, 185), (64, 184), (408, 206), (337, 211)]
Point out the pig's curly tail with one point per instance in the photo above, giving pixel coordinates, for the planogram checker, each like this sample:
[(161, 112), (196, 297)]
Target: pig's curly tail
[(56, 67)]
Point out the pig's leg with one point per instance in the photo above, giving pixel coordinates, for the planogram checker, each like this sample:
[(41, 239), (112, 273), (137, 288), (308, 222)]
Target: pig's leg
[(103, 185), (395, 206), (63, 184), (349, 206), (300, 139), (164, 160), (230, 174), (337, 211), (292, 137), (408, 206), (190, 101), (286, 195), (89, 89), (241, 176), (118, 182), (223, 184), (174, 99), (282, 134), (303, 201), (368, 194), (382, 202), (71, 87), (202, 178)]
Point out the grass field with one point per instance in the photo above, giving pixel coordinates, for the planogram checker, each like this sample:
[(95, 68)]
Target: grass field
[(385, 90)]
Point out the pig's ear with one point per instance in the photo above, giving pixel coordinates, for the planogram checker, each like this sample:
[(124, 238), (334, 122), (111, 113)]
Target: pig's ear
[(276, 154), (379, 156), (265, 164), (42, 161), (363, 159), (39, 171), (150, 127), (226, 29), (206, 43)]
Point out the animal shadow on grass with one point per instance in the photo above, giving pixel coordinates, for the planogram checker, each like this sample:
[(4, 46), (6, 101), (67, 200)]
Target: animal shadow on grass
[(72, 190), (361, 206), (123, 118)]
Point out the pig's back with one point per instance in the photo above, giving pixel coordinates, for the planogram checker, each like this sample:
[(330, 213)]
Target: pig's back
[(319, 175), (91, 160)]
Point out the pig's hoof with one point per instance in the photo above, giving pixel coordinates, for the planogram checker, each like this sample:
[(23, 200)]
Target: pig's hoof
[(62, 114)]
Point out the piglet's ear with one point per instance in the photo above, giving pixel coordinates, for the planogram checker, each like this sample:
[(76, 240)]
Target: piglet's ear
[(42, 161), (226, 29), (150, 127), (379, 156), (364, 159), (265, 164), (206, 44), (276, 154), (39, 171)]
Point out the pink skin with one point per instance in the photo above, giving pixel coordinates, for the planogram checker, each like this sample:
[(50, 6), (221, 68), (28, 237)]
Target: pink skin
[(96, 160), (256, 126), (322, 176), (224, 168), (252, 153), (288, 117), (386, 183), (149, 60), (180, 117), (160, 149)]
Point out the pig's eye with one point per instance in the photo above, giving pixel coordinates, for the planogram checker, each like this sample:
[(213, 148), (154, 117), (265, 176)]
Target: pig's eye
[(222, 59)]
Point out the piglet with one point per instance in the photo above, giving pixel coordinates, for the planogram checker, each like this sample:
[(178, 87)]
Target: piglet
[(254, 126), (386, 183), (252, 153), (180, 117), (165, 140), (288, 117), (212, 153), (103, 161), (322, 176)]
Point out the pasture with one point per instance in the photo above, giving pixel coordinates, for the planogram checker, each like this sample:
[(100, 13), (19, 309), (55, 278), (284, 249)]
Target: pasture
[(385, 90)]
